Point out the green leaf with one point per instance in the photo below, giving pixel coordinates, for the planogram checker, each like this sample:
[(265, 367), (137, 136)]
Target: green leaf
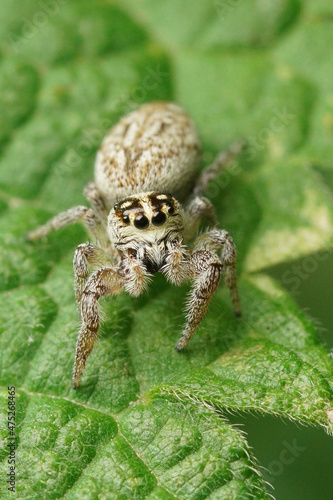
[(148, 422)]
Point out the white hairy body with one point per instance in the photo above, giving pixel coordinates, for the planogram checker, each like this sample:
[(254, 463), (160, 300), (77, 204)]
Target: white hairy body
[(146, 205)]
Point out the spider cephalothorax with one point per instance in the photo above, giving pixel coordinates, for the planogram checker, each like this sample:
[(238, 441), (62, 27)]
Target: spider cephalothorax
[(145, 225), (140, 229)]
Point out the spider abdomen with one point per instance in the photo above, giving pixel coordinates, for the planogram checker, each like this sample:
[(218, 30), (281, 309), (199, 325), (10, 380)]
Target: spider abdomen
[(155, 148)]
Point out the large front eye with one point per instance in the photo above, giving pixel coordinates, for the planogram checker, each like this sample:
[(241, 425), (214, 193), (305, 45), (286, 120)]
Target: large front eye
[(125, 219), (141, 222), (158, 218)]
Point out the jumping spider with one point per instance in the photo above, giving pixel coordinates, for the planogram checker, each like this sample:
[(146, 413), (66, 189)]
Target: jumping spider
[(140, 229)]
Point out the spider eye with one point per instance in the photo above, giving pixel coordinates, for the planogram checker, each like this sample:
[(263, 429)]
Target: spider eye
[(125, 219), (141, 222), (158, 218), (170, 207)]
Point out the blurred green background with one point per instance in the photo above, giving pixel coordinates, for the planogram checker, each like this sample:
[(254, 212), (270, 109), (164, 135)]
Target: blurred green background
[(310, 475), (261, 70)]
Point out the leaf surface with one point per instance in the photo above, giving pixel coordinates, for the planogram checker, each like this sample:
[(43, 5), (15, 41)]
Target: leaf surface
[(148, 422)]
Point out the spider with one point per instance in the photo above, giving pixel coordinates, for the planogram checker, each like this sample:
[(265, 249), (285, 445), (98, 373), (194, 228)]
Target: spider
[(139, 228)]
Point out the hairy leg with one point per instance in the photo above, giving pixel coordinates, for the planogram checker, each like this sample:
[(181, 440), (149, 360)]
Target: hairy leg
[(198, 207), (206, 271), (75, 214), (103, 282), (86, 254), (219, 241), (130, 275), (220, 163), (176, 267), (134, 274), (96, 201), (206, 268)]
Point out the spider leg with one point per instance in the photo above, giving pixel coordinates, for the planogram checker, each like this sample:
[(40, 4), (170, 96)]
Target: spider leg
[(220, 163), (206, 270), (103, 282), (75, 214), (95, 218), (219, 241), (206, 267), (85, 254), (96, 201), (135, 275), (131, 275), (176, 267), (198, 207)]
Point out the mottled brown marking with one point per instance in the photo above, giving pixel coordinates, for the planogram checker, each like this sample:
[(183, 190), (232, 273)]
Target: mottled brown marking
[(165, 143)]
